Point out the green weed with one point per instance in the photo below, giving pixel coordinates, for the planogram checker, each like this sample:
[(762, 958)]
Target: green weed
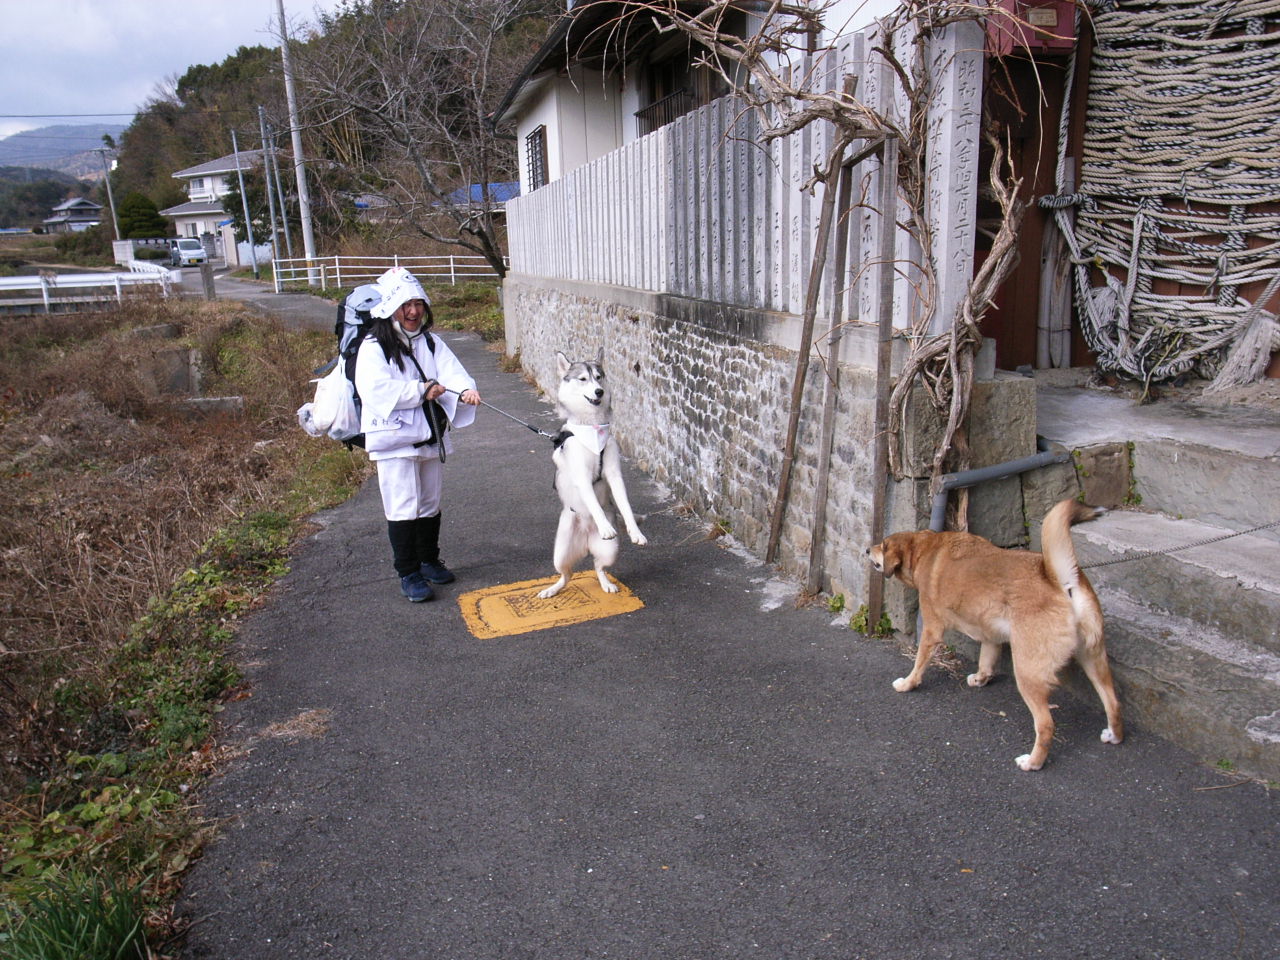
[(79, 918), (860, 621), (120, 812)]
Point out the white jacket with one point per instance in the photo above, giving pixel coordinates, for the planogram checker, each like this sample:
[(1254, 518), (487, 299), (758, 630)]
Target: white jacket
[(391, 414)]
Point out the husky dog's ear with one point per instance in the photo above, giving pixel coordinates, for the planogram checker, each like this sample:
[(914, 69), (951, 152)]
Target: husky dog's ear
[(562, 364)]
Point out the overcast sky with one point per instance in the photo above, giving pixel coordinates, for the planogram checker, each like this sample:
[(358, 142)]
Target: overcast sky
[(78, 57)]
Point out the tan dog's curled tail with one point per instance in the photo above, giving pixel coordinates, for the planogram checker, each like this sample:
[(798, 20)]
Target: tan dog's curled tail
[(1061, 564)]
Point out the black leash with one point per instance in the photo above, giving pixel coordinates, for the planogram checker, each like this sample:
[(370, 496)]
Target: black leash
[(541, 433)]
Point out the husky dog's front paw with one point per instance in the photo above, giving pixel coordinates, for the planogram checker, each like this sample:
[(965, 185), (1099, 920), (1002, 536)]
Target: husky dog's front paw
[(638, 538), (552, 590), (608, 532)]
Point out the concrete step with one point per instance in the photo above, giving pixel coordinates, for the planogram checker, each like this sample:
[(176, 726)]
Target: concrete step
[(1193, 634), (1233, 488), (1217, 463), (1215, 695), (1232, 586)]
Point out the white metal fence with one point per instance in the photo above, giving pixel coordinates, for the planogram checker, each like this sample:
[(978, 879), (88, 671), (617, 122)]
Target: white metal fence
[(50, 289), (340, 272)]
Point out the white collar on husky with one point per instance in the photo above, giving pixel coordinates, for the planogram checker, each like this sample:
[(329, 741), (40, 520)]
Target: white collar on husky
[(594, 435)]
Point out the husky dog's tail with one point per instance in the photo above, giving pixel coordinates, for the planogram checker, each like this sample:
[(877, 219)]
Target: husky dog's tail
[(1060, 559)]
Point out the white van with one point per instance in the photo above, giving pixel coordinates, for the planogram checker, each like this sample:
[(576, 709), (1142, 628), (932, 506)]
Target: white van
[(185, 252)]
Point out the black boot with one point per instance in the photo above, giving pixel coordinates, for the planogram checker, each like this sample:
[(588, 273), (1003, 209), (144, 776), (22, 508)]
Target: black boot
[(404, 549), (427, 532)]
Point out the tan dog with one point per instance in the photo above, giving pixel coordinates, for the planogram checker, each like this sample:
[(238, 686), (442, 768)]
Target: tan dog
[(1040, 604)]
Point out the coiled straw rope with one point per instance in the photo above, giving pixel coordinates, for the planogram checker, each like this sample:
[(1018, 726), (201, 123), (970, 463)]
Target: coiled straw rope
[(1178, 207)]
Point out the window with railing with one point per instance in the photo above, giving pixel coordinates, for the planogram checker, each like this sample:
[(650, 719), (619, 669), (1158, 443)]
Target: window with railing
[(661, 112), (535, 152)]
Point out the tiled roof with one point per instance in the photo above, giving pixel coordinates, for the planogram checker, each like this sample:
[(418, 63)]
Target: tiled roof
[(79, 204), (227, 164), (192, 208)]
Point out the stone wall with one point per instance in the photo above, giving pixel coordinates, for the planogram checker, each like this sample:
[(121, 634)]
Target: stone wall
[(701, 404)]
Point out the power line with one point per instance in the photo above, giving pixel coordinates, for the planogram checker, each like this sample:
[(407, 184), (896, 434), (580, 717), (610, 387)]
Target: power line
[(55, 116), (27, 135)]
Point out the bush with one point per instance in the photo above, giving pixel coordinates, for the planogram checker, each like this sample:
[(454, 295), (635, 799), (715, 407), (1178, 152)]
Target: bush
[(92, 246), (151, 253)]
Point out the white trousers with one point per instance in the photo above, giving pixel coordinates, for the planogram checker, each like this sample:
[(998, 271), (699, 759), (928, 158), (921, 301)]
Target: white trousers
[(410, 486)]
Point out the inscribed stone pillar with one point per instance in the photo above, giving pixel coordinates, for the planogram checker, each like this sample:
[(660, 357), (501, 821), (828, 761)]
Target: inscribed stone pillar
[(954, 120)]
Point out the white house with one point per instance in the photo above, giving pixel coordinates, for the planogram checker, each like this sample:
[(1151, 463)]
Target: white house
[(203, 215), (594, 85)]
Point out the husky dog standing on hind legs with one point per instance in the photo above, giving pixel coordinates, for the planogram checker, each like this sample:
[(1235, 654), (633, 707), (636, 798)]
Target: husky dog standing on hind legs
[(588, 475)]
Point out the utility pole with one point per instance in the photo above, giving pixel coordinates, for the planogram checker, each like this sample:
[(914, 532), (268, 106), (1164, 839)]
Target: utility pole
[(244, 200), (284, 208), (106, 177), (266, 170), (295, 134)]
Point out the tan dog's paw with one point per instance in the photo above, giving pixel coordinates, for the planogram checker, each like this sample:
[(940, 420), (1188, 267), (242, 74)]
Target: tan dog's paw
[(1024, 763), (978, 679), (1109, 736), (903, 684)]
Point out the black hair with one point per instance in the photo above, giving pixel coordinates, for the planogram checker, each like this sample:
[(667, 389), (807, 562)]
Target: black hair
[(393, 347)]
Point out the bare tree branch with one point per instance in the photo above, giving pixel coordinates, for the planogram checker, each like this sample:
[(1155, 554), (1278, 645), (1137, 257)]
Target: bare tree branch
[(399, 93)]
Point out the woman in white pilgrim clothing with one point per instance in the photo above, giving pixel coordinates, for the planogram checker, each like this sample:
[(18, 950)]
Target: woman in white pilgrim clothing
[(399, 367)]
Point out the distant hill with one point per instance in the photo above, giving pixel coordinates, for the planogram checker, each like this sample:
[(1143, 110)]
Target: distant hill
[(12, 175), (65, 148), (28, 195)]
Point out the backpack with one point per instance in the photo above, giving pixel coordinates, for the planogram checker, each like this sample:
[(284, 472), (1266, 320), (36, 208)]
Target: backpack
[(335, 411), (353, 323), (350, 327)]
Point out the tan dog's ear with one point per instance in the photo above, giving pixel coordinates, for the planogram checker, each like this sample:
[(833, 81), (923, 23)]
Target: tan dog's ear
[(891, 552)]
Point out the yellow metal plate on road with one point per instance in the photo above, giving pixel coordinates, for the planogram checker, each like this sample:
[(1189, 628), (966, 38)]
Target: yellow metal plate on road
[(515, 608)]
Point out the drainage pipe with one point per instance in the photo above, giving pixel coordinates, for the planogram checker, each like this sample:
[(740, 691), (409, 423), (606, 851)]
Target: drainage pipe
[(997, 471)]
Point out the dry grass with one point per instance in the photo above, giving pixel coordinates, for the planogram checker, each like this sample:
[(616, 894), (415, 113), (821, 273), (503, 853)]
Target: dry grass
[(308, 725), (110, 491)]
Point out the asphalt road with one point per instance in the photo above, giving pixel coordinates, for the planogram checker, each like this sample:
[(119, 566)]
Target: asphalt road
[(718, 775)]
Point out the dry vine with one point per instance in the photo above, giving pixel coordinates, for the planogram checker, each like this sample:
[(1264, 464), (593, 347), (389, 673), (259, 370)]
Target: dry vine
[(774, 70)]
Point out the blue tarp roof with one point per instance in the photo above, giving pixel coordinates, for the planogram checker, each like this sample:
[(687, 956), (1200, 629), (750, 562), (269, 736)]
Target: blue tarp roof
[(498, 193)]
